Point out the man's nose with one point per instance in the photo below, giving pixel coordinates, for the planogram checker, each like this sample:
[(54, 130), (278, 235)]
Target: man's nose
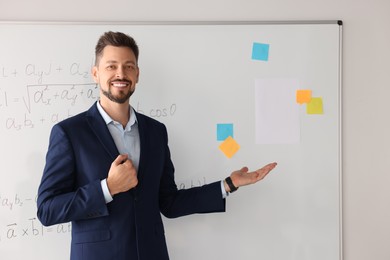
[(119, 72)]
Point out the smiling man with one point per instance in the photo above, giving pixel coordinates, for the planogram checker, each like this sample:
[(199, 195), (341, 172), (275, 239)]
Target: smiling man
[(109, 170)]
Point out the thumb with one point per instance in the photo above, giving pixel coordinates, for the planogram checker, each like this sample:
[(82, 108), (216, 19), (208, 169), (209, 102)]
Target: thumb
[(120, 159), (244, 169)]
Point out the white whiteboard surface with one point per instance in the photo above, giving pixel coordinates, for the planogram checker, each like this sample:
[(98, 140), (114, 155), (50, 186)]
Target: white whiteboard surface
[(193, 77)]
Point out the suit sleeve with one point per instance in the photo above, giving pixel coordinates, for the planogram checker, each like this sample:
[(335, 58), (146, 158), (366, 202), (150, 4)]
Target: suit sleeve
[(176, 203), (60, 199)]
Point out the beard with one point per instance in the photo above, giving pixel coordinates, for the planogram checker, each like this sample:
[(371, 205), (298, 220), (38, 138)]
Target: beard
[(121, 98)]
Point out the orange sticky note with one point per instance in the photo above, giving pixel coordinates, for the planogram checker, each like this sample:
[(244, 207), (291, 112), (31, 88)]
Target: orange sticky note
[(315, 106), (303, 96), (229, 147)]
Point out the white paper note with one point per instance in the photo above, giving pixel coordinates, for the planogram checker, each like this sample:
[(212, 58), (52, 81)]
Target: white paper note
[(277, 112)]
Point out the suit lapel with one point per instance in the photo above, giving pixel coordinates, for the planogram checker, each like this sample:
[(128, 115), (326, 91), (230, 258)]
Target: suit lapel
[(143, 144), (99, 127)]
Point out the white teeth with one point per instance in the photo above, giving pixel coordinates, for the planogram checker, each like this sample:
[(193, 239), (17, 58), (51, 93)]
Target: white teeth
[(119, 85)]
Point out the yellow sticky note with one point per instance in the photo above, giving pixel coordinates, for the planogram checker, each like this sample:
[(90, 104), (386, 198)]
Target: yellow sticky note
[(303, 96), (229, 147), (315, 106)]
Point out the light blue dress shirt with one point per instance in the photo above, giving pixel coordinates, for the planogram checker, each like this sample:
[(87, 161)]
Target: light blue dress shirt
[(126, 139), (127, 142)]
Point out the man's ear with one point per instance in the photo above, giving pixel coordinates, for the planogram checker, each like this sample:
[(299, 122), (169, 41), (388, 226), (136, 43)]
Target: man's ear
[(95, 74)]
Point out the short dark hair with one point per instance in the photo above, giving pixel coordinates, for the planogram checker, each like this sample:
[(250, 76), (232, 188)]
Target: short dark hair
[(117, 39)]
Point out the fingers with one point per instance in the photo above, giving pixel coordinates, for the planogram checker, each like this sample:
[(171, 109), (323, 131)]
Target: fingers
[(266, 169), (122, 175), (269, 167), (243, 177), (273, 165), (120, 159), (262, 172)]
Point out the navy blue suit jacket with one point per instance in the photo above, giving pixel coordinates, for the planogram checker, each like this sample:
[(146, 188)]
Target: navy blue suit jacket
[(79, 156)]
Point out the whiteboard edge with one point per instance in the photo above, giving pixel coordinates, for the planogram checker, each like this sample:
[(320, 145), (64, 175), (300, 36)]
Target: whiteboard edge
[(240, 22), (341, 139)]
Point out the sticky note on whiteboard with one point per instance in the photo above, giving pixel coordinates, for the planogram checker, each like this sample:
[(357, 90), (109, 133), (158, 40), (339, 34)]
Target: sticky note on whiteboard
[(260, 51), (229, 147), (303, 96), (315, 107), (224, 131)]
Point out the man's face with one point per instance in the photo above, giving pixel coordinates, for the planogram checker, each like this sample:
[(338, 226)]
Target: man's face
[(117, 74)]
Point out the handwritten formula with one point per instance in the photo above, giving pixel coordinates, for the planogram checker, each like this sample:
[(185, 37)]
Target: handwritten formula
[(31, 229), (37, 95)]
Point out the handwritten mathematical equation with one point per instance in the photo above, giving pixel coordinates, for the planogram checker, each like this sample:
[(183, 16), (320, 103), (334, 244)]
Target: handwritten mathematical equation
[(11, 205), (49, 95), (12, 202), (24, 105), (52, 103), (31, 228), (192, 183), (49, 103), (40, 73)]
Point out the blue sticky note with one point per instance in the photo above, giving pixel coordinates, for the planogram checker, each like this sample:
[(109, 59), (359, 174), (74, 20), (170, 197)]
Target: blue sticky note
[(260, 51), (224, 131)]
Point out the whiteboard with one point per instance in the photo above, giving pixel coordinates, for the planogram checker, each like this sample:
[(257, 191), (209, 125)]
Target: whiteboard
[(202, 80)]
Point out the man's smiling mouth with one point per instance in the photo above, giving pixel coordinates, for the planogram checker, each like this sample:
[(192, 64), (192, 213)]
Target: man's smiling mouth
[(120, 84)]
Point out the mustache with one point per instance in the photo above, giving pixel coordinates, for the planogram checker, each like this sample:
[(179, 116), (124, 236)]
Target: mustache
[(122, 80)]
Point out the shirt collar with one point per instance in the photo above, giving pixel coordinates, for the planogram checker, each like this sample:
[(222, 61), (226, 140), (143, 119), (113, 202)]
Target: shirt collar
[(108, 119)]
